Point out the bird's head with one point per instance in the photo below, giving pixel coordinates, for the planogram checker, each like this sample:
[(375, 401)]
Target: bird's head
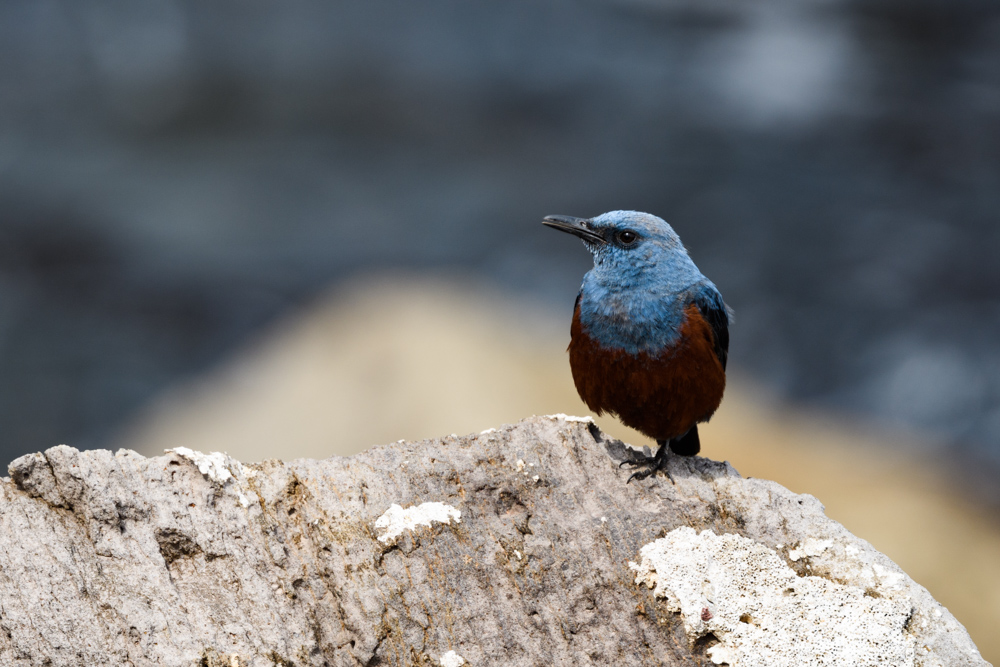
[(629, 246)]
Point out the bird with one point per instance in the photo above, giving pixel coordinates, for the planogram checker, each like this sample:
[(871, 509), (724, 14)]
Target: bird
[(649, 339)]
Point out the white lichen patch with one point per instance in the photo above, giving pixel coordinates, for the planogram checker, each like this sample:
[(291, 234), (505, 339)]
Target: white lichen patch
[(887, 577), (809, 548), (396, 520), (488, 431), (452, 659), (570, 418), (720, 654), (211, 465), (765, 615)]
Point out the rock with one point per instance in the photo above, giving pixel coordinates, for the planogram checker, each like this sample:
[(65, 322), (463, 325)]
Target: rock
[(518, 546)]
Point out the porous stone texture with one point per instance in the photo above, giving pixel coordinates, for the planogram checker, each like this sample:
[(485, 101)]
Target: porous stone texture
[(764, 613), (518, 546)]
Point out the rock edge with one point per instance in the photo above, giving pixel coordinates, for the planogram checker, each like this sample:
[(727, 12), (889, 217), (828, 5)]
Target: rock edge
[(190, 559)]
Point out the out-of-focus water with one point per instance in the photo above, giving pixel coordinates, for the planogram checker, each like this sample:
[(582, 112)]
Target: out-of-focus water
[(173, 175)]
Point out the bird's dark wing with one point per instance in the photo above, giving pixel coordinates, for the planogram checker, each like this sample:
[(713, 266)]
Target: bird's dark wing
[(715, 312)]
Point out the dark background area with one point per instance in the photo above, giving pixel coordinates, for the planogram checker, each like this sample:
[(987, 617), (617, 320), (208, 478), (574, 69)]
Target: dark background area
[(174, 175)]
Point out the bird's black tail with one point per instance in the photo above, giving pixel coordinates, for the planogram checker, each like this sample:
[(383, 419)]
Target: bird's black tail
[(688, 444)]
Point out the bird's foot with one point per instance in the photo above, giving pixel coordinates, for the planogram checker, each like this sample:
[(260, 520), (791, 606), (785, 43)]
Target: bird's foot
[(650, 465), (650, 468)]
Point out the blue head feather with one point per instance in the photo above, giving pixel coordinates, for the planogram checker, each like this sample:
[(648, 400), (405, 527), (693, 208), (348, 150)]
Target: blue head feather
[(634, 297)]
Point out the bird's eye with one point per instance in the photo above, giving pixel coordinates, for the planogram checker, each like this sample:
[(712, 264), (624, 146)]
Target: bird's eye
[(626, 237)]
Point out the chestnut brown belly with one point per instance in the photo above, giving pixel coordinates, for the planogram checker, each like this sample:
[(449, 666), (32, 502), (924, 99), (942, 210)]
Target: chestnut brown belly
[(661, 395)]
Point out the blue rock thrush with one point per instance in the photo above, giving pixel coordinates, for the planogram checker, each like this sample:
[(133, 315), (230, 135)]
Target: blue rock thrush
[(650, 333)]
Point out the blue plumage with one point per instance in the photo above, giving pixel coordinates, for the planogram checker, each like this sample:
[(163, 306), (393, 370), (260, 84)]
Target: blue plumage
[(634, 297)]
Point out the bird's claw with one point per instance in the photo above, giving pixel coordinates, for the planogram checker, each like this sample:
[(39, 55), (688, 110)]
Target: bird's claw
[(649, 467), (640, 475), (652, 470)]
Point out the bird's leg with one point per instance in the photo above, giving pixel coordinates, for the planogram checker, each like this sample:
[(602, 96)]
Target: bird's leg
[(652, 464)]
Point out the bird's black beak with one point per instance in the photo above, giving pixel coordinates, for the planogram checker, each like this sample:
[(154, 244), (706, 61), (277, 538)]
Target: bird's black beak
[(575, 226)]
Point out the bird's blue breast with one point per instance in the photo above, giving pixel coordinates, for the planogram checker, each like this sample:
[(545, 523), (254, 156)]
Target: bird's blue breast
[(640, 311)]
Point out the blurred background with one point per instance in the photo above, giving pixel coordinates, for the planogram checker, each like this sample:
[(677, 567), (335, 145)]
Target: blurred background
[(304, 229)]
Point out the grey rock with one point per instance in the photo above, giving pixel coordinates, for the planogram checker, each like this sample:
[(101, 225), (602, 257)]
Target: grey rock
[(518, 546)]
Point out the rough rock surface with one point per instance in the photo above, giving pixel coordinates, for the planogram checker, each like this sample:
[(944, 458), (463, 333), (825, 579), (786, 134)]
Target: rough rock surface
[(517, 546)]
